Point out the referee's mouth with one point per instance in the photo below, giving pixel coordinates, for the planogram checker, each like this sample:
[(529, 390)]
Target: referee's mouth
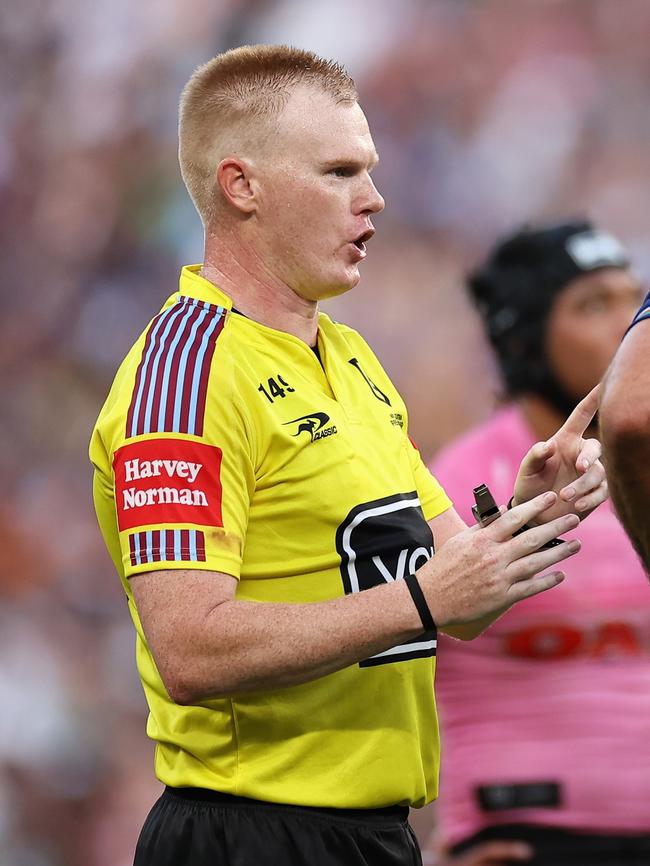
[(361, 240)]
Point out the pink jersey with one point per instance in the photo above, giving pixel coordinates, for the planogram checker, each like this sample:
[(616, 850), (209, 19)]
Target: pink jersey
[(558, 689)]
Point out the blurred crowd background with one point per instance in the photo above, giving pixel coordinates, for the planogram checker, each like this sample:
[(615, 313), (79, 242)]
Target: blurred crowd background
[(486, 114)]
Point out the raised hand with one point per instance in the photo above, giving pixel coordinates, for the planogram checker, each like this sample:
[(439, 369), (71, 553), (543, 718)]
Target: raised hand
[(568, 464)]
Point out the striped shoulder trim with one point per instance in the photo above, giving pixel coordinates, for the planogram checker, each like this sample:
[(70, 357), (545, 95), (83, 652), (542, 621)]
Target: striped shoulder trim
[(167, 545), (171, 381)]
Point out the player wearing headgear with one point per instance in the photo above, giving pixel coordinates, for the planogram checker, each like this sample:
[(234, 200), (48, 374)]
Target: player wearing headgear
[(546, 717), (520, 292)]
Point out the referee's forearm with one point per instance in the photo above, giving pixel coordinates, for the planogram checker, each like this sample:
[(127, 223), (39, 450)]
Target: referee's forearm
[(254, 646)]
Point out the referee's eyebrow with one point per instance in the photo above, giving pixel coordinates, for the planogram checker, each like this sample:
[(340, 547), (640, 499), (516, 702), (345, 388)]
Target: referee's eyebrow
[(352, 161)]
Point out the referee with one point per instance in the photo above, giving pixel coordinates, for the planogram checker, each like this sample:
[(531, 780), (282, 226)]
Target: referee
[(273, 526)]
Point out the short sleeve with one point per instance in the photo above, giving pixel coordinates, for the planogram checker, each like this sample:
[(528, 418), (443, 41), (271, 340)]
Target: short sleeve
[(180, 456)]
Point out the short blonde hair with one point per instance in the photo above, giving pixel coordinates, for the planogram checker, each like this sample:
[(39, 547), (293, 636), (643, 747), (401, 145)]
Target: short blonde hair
[(244, 85)]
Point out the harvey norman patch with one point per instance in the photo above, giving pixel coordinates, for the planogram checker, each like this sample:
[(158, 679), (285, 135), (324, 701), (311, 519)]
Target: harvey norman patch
[(167, 481)]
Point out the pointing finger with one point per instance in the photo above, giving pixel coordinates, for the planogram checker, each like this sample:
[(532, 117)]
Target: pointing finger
[(582, 415)]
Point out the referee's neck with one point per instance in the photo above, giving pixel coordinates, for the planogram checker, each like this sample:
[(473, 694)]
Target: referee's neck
[(261, 296)]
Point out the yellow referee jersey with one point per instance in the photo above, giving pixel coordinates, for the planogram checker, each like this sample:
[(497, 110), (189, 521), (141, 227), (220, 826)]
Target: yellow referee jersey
[(226, 445)]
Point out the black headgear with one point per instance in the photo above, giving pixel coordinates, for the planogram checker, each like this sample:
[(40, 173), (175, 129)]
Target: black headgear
[(515, 290)]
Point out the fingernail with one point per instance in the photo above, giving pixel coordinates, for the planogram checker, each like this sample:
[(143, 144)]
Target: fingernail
[(585, 464), (569, 492), (574, 545), (572, 520), (580, 505), (549, 497)]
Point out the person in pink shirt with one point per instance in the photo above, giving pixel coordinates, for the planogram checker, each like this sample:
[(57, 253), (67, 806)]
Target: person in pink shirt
[(546, 717)]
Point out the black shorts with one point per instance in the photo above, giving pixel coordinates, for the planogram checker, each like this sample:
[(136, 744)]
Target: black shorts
[(194, 827), (554, 846)]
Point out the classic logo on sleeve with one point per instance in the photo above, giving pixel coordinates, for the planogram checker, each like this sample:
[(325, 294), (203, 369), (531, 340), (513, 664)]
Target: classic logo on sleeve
[(167, 481)]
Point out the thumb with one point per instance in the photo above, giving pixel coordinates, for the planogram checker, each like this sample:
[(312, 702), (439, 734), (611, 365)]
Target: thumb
[(535, 460)]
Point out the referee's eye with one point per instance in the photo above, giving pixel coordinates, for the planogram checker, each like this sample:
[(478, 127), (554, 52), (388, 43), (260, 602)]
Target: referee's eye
[(343, 171)]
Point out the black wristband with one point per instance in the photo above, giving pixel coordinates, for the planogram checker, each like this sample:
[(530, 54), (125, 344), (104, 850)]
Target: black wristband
[(420, 602)]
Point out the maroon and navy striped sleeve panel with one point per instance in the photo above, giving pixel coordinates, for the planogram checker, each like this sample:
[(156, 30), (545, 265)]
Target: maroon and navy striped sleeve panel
[(167, 545), (171, 382)]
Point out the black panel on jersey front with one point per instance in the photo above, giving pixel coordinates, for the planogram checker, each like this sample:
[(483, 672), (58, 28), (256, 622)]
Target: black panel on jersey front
[(380, 542)]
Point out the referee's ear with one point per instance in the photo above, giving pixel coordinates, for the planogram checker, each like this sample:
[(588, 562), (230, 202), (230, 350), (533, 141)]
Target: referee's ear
[(234, 177)]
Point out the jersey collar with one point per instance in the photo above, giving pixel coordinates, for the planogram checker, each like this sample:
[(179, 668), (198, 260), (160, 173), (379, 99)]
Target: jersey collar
[(193, 285)]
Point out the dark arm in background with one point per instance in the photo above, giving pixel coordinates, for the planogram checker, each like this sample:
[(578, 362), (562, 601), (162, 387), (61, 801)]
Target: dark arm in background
[(625, 434)]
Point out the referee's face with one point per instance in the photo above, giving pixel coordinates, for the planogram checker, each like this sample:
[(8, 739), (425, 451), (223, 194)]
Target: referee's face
[(317, 196)]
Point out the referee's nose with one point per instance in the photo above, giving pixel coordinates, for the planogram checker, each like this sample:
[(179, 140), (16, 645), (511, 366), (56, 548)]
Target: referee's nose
[(370, 200)]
